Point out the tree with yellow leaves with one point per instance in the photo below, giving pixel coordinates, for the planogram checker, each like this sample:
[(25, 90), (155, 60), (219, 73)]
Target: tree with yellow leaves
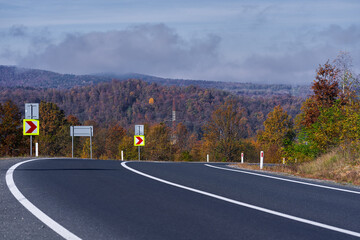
[(225, 131), (151, 101), (158, 145), (278, 134)]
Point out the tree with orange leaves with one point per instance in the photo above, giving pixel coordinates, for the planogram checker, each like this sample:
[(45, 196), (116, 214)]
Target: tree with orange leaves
[(326, 91), (11, 139)]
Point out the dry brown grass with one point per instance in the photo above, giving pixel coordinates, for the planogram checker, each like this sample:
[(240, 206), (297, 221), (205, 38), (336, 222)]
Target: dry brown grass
[(331, 166)]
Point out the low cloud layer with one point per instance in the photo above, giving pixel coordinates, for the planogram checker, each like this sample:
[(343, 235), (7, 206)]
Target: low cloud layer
[(158, 50), (18, 42), (149, 49), (349, 36)]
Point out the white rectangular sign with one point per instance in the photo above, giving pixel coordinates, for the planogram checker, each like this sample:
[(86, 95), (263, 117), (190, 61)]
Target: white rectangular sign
[(31, 111), (139, 130), (81, 131)]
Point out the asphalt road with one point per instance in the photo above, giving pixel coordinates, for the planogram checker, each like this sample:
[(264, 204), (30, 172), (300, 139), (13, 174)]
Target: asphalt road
[(95, 199)]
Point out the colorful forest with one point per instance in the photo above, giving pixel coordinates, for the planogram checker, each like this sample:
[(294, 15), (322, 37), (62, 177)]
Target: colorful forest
[(208, 121)]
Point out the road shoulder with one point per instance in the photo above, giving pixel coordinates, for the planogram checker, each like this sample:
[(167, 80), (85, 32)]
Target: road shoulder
[(16, 222), (296, 177)]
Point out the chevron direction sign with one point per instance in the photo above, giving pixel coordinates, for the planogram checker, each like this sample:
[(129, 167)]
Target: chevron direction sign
[(139, 140), (31, 127)]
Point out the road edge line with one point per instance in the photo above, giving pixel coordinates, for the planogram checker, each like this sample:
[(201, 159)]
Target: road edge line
[(284, 215), (56, 227), (284, 179)]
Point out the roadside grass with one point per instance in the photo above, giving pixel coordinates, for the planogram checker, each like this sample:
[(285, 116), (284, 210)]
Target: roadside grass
[(332, 166)]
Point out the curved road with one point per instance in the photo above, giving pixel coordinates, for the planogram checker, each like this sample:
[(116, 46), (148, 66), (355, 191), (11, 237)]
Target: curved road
[(93, 199)]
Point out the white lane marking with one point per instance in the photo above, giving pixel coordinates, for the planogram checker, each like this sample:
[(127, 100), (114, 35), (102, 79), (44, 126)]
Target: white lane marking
[(322, 225), (285, 179), (63, 232)]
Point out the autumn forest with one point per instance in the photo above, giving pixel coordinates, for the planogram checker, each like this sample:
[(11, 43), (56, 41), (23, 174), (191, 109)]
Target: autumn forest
[(210, 121)]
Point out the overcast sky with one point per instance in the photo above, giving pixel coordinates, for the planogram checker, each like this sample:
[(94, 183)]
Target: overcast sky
[(260, 41)]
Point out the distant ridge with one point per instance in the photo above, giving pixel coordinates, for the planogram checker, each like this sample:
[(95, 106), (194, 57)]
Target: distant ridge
[(12, 76)]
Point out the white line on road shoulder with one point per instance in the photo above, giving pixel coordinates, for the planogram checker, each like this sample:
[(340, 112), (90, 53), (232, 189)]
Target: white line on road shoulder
[(329, 227), (63, 232), (284, 179)]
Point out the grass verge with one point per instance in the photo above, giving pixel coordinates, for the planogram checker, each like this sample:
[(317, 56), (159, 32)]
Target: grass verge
[(331, 166)]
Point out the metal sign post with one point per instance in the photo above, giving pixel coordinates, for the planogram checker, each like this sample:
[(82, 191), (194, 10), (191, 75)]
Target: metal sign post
[(81, 131), (139, 152), (72, 141), (139, 138), (31, 112), (90, 145), (30, 127), (30, 145)]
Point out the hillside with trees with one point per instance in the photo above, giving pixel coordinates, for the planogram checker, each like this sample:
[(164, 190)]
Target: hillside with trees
[(134, 101), (113, 108), (317, 136), (11, 77), (208, 121), (323, 141)]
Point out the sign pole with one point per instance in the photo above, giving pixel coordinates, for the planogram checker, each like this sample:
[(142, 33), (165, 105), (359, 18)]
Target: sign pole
[(30, 135), (90, 144), (31, 113), (139, 138), (81, 131), (139, 152), (139, 146), (30, 145), (72, 142)]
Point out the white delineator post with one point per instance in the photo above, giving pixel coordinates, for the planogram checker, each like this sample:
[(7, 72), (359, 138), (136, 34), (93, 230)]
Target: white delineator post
[(242, 157), (36, 149), (261, 159), (122, 155), (283, 161), (207, 158)]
